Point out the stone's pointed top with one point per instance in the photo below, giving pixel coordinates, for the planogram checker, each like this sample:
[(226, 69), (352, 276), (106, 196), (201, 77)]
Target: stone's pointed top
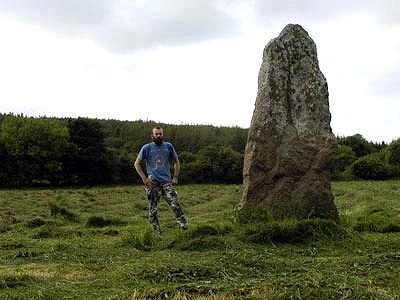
[(293, 45), (295, 31), (293, 28)]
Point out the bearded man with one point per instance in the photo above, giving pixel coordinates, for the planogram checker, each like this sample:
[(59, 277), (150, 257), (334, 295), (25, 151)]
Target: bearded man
[(158, 181)]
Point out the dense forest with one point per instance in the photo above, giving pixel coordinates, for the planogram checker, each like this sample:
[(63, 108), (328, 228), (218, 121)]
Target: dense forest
[(84, 152)]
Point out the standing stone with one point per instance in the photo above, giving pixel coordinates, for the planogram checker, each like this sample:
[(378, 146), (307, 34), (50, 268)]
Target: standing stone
[(290, 141)]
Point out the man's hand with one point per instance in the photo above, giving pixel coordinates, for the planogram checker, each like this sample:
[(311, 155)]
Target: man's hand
[(174, 180), (146, 181)]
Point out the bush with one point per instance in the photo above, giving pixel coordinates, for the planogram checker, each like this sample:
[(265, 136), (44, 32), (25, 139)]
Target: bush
[(394, 153), (344, 157), (358, 144), (213, 164), (370, 167)]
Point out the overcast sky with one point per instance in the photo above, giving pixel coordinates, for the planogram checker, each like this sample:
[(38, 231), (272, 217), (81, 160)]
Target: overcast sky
[(194, 61)]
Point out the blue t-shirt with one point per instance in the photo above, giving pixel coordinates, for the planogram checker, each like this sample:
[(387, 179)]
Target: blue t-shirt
[(157, 160)]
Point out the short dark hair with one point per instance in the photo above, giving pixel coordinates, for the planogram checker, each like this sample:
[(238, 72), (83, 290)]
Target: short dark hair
[(156, 127)]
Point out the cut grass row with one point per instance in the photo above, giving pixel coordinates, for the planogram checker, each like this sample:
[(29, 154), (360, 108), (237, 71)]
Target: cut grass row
[(96, 243)]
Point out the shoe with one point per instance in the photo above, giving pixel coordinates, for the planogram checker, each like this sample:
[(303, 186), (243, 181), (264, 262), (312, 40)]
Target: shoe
[(184, 226)]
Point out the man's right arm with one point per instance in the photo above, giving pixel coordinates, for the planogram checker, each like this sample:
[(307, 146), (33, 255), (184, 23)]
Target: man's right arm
[(139, 170)]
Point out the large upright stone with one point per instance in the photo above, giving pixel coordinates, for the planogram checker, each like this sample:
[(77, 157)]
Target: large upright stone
[(290, 142)]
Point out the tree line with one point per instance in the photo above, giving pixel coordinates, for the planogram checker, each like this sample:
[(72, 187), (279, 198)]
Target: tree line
[(84, 152)]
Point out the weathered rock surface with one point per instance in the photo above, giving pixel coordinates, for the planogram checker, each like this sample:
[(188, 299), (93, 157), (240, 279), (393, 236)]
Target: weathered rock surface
[(290, 142)]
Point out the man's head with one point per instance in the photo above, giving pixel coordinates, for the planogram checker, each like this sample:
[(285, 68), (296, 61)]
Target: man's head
[(157, 135)]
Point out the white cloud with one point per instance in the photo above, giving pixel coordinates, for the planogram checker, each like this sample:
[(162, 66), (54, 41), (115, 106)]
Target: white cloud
[(124, 26)]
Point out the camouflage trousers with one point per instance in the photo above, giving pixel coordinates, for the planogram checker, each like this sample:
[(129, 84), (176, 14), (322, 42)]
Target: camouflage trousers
[(168, 192)]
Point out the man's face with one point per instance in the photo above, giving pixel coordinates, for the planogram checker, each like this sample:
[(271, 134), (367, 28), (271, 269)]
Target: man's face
[(157, 136)]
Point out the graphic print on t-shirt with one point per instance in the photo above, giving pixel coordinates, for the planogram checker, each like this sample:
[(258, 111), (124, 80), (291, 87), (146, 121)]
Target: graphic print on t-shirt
[(159, 160)]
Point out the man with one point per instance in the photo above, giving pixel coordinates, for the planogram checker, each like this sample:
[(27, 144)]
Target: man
[(158, 181)]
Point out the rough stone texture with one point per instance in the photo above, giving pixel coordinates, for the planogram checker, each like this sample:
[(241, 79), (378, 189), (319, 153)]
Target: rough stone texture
[(290, 142)]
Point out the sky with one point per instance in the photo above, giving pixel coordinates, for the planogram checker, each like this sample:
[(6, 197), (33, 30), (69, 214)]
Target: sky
[(194, 61)]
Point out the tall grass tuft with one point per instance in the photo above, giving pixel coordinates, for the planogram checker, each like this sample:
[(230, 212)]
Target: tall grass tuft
[(252, 214), (62, 212), (292, 231), (377, 219), (143, 240), (7, 219)]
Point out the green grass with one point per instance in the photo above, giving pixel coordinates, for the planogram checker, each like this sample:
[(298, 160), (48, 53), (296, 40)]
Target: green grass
[(95, 243)]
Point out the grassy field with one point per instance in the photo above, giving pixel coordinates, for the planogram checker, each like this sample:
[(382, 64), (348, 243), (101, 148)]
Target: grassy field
[(95, 243)]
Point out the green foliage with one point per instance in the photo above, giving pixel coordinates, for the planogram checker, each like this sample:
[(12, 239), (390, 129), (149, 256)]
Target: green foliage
[(358, 144), (186, 138), (88, 152), (394, 153), (358, 157), (33, 148), (393, 157), (216, 164), (344, 157), (371, 167), (90, 165)]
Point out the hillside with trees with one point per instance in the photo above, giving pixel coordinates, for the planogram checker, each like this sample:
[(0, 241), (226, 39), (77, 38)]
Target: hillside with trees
[(86, 152)]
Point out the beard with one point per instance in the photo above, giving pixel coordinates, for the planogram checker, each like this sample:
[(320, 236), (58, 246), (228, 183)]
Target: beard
[(158, 140)]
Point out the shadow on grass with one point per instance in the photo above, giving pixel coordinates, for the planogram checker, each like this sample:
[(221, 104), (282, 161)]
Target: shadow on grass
[(99, 221), (15, 281)]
